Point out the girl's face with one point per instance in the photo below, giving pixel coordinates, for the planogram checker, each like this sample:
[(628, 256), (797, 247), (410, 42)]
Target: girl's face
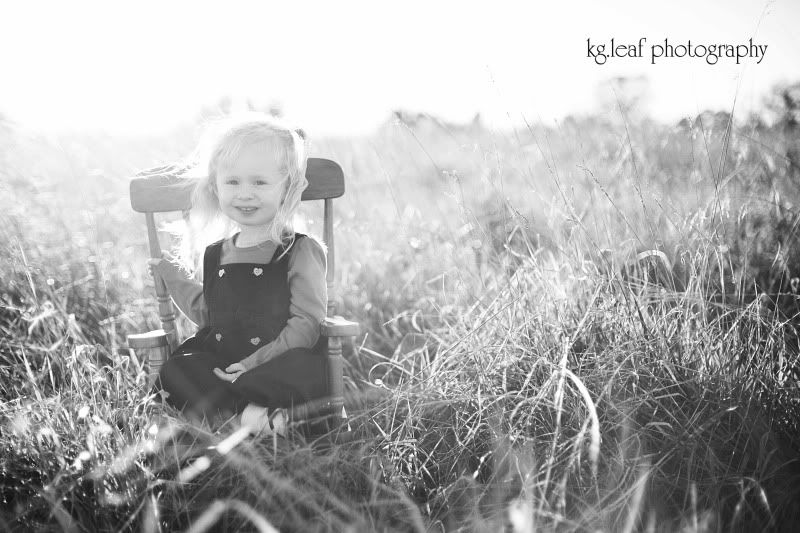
[(251, 186)]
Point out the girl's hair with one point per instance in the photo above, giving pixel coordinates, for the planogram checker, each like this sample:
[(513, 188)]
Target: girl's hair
[(221, 146)]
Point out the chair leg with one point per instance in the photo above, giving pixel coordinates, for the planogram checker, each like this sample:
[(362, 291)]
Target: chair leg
[(152, 359), (336, 382)]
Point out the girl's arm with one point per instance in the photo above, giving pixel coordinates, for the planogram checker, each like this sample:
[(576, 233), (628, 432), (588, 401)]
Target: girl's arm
[(187, 293), (308, 303)]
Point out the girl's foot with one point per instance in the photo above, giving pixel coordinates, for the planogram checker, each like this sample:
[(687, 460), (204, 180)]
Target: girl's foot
[(260, 420)]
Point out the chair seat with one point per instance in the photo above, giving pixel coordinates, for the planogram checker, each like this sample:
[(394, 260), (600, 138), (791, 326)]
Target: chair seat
[(152, 339), (339, 327)]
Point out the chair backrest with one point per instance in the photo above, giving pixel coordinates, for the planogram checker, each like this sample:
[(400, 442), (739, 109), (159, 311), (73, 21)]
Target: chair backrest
[(163, 191)]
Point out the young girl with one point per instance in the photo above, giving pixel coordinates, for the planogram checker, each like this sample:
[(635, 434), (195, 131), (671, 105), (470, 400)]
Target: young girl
[(263, 293)]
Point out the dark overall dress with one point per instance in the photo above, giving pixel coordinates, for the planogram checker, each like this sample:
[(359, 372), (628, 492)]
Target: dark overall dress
[(248, 307)]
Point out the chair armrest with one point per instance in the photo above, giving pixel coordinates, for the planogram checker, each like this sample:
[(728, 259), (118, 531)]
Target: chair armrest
[(152, 339), (339, 327)]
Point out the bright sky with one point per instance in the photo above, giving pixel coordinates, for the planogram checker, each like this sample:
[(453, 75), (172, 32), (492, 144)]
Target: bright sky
[(340, 67)]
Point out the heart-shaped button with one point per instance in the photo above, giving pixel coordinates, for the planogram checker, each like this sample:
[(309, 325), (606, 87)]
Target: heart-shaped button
[(255, 340), (258, 271), (221, 272), (218, 336)]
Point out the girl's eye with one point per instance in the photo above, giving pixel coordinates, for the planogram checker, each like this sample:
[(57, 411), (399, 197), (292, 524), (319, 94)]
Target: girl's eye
[(261, 182), (232, 182)]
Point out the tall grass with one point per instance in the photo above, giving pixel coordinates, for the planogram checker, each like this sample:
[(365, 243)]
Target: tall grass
[(521, 368)]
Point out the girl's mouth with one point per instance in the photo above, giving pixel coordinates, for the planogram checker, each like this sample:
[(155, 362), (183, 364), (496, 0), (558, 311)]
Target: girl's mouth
[(246, 209)]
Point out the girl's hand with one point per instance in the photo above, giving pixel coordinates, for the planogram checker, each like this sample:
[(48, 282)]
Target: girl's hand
[(231, 373), (153, 262)]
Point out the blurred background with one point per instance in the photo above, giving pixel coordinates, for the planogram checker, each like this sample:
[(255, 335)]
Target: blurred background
[(340, 69)]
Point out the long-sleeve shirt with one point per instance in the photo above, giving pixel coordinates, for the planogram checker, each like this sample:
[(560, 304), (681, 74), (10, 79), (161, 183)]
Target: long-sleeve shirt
[(308, 293)]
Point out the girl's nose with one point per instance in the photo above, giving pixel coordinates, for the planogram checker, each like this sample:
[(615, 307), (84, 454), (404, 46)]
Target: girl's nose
[(245, 192)]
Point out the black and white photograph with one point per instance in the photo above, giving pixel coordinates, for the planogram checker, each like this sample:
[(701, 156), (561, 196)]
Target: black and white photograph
[(400, 266)]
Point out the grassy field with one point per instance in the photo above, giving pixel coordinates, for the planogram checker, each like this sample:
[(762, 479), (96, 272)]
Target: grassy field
[(525, 364)]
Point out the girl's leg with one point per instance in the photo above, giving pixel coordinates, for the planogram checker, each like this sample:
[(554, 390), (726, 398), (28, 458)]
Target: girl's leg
[(295, 377), (193, 387)]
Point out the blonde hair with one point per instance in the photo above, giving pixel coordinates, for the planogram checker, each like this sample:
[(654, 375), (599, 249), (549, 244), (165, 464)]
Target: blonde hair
[(220, 146)]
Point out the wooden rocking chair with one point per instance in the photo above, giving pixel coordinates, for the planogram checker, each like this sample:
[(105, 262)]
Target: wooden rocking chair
[(161, 191)]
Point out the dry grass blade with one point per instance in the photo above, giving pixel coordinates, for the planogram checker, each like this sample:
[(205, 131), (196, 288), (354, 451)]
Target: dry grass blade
[(594, 446), (219, 507)]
